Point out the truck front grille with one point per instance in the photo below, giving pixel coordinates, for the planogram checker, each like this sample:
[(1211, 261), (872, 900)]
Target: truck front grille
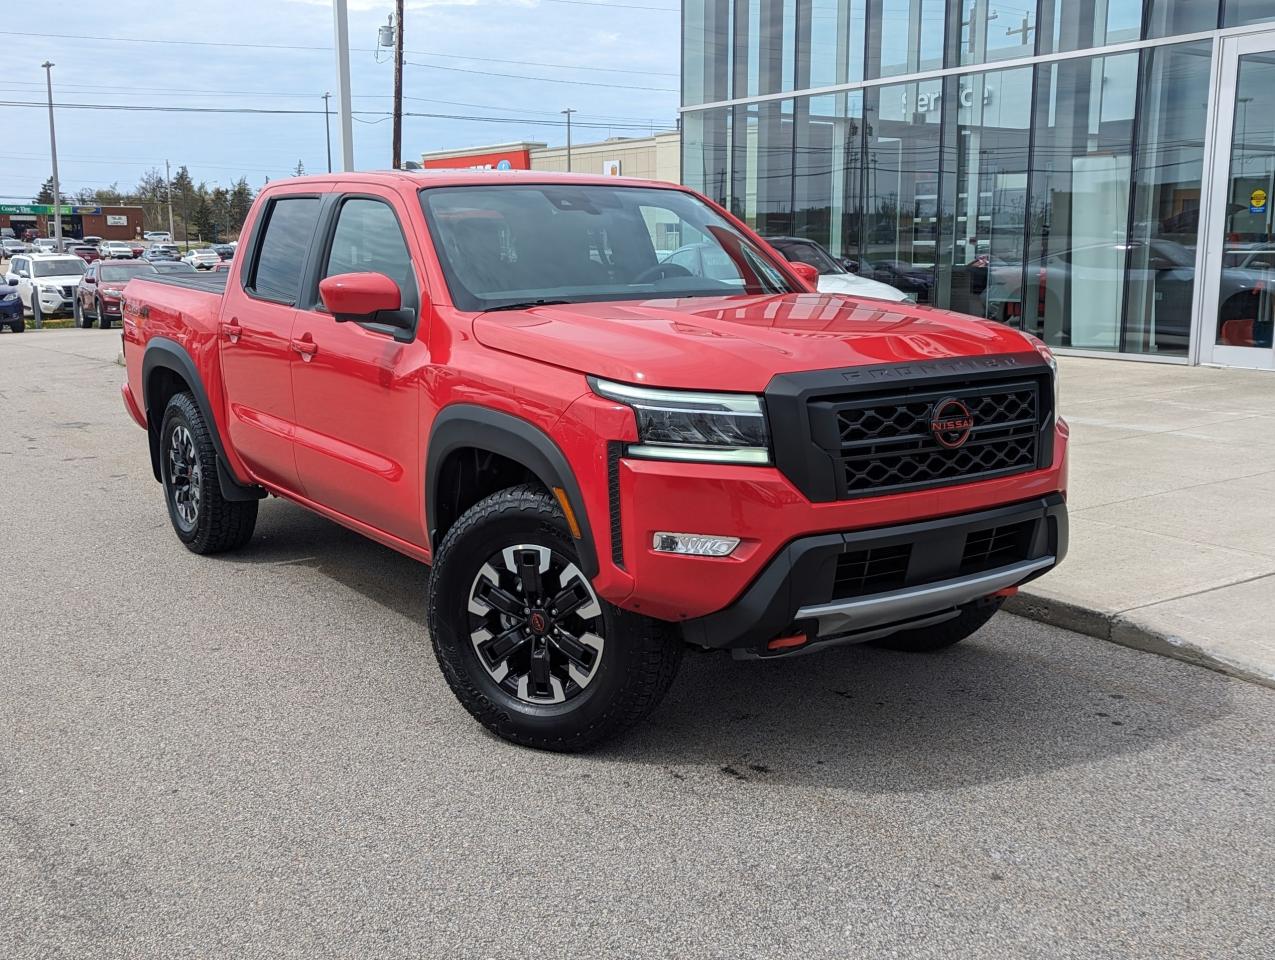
[(884, 442)]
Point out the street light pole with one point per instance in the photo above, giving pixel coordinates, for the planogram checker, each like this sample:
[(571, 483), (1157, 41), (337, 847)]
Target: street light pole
[(327, 128), (341, 29), (53, 149), (168, 182), (567, 112)]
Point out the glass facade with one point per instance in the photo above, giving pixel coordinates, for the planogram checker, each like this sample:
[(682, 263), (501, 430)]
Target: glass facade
[(1061, 195)]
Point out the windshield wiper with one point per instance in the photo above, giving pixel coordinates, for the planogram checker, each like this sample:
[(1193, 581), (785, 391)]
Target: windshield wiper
[(524, 304)]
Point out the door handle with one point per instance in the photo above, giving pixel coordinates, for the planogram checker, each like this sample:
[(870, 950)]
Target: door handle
[(232, 330), (306, 347)]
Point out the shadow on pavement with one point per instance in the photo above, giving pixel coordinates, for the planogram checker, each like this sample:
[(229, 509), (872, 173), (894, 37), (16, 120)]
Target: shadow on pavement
[(1018, 700)]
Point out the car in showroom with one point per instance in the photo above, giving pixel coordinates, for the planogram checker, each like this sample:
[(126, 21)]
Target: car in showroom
[(46, 282), (202, 258), (833, 276), (99, 292)]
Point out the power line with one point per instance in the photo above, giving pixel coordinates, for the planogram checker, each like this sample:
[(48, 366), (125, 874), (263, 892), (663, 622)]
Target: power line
[(519, 76), (283, 111)]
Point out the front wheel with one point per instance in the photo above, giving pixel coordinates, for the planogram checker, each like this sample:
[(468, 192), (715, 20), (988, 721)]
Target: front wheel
[(18, 326), (103, 320), (523, 640)]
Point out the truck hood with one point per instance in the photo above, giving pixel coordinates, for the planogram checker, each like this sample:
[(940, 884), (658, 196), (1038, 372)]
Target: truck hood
[(738, 343)]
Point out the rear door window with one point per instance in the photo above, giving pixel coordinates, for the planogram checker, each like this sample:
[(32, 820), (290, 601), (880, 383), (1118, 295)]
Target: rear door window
[(281, 255)]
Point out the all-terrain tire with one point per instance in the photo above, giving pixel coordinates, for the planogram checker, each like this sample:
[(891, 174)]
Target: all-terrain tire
[(972, 618), (634, 669), (216, 524)]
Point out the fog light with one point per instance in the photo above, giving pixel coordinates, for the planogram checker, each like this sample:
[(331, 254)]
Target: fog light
[(694, 544)]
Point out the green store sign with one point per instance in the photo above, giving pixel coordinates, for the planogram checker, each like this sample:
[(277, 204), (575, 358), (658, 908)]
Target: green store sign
[(45, 209)]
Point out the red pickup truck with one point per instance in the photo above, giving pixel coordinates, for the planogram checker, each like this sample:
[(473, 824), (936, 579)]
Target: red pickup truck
[(605, 455)]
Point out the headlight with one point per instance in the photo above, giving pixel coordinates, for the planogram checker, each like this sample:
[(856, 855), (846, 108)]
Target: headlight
[(686, 425)]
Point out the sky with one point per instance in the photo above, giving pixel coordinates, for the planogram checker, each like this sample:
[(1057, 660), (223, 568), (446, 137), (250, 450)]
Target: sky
[(622, 64)]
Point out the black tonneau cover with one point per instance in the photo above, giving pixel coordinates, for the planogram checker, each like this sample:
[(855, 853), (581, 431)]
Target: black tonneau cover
[(210, 282)]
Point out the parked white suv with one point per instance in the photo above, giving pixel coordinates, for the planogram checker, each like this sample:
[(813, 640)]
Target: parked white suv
[(115, 250), (158, 236), (47, 282), (205, 258)]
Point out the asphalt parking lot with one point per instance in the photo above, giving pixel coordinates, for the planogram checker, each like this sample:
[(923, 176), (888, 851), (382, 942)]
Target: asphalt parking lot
[(256, 756)]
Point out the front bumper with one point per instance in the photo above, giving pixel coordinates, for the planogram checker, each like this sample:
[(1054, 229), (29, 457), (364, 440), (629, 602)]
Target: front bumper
[(11, 309), (853, 587)]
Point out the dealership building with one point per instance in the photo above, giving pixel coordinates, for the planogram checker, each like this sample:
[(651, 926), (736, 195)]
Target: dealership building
[(78, 220), (1097, 172)]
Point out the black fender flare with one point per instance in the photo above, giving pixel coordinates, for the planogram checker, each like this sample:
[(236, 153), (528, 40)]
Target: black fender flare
[(468, 425), (170, 355)]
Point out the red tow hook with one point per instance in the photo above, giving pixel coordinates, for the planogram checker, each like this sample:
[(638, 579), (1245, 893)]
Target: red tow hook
[(787, 643), (1007, 592)]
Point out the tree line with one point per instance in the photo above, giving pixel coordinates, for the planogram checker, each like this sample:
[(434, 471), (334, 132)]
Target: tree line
[(199, 212)]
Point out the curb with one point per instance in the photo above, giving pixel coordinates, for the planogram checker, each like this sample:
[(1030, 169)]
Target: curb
[(1120, 629)]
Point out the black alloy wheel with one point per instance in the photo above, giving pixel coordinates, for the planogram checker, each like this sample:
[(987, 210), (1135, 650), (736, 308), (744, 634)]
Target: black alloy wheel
[(185, 477), (535, 624)]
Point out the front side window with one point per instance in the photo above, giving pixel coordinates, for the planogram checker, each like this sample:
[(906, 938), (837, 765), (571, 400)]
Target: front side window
[(505, 246), (281, 258), (62, 267), (368, 239)]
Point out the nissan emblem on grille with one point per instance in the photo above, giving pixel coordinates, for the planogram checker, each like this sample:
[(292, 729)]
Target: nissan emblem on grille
[(951, 422)]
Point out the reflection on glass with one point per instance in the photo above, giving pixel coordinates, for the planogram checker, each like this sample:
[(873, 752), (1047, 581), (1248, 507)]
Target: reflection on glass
[(1080, 24), (761, 174), (985, 193), (707, 48), (1236, 13), (995, 30), (764, 53), (1248, 267), (1166, 202), (831, 39), (705, 153), (900, 229), (827, 170), (905, 36), (1167, 18), (1080, 177)]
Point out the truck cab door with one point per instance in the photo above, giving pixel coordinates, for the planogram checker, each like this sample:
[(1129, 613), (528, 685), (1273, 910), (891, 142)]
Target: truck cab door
[(356, 386), (255, 338)]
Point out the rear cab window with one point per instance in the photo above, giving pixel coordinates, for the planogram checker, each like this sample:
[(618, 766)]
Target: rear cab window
[(287, 231)]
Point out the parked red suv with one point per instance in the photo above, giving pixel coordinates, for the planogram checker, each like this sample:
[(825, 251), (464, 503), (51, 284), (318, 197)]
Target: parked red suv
[(604, 456)]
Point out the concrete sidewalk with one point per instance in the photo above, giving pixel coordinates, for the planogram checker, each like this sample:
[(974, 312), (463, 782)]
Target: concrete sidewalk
[(1172, 502)]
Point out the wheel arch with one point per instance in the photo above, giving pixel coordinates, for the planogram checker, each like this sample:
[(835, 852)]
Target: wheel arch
[(168, 369), (463, 429)]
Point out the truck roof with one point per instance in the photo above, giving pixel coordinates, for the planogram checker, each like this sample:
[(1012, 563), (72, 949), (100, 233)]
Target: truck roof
[(437, 178)]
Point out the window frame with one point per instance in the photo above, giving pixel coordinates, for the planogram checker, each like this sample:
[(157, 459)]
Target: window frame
[(248, 275), (321, 252)]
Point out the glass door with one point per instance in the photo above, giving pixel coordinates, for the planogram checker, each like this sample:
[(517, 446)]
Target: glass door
[(1239, 300)]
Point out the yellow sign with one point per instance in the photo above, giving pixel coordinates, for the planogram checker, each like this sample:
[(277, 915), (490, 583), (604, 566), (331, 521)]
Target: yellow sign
[(1257, 200)]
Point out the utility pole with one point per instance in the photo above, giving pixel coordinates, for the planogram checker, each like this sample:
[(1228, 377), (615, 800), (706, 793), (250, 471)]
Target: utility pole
[(398, 85), (53, 149), (168, 181), (341, 29), (327, 128), (567, 112)]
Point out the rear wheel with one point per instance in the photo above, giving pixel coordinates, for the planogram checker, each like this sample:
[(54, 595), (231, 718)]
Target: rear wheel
[(203, 519), (77, 312), (972, 618), (523, 640)]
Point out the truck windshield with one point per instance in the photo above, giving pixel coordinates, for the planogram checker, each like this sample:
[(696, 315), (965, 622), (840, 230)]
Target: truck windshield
[(119, 273), (503, 246), (61, 267)]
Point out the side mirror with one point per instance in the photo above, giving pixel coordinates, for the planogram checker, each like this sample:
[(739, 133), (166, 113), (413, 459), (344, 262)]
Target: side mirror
[(13, 281), (804, 270), (89, 279), (366, 298)]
